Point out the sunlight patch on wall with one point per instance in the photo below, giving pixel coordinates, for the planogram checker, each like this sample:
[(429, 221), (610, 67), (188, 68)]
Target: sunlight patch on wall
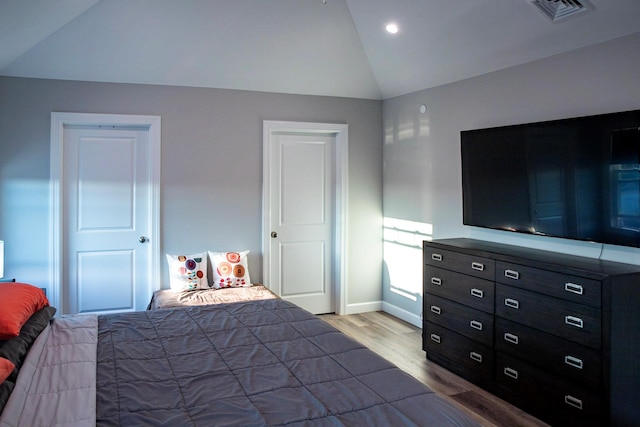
[(403, 255), (404, 232)]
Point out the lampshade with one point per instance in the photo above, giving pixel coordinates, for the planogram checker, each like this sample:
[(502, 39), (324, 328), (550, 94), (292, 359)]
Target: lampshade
[(1, 259)]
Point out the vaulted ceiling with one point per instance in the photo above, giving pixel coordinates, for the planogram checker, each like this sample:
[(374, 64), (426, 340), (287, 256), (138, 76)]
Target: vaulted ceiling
[(316, 47)]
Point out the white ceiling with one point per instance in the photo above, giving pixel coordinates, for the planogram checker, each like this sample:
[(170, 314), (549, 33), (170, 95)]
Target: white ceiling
[(316, 47)]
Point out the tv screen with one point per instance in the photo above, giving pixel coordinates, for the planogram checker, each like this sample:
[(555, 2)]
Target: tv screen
[(574, 178)]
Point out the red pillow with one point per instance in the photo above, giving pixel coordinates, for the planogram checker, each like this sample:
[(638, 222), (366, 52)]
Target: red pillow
[(18, 302), (6, 367)]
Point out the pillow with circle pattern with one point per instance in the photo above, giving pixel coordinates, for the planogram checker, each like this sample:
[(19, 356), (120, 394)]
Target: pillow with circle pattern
[(230, 269), (188, 272)]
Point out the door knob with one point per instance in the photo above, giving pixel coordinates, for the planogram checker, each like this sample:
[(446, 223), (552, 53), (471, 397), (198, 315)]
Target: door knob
[(274, 234), (142, 239)]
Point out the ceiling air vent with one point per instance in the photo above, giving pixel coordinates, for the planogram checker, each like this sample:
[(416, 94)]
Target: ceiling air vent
[(558, 10)]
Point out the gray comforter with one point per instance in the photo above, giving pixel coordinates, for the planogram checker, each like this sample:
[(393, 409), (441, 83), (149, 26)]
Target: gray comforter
[(240, 364), (251, 364), (57, 383)]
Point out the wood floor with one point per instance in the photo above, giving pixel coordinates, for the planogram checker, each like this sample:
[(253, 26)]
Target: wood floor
[(401, 343)]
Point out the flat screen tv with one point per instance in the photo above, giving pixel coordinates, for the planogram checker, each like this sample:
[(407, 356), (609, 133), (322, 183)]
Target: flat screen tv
[(573, 178)]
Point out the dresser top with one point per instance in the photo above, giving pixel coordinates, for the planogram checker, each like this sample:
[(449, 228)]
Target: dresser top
[(538, 258)]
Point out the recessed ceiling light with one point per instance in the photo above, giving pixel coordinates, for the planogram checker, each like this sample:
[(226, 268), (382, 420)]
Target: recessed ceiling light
[(391, 28)]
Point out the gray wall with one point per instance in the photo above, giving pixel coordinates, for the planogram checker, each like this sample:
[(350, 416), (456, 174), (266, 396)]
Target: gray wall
[(422, 176), (211, 169)]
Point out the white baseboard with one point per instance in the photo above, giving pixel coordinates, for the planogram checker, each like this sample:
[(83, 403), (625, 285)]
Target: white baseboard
[(364, 307), (403, 314), (393, 310)]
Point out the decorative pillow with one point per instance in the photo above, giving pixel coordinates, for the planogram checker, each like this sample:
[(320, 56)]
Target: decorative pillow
[(230, 269), (16, 349), (18, 302), (6, 367), (188, 272)]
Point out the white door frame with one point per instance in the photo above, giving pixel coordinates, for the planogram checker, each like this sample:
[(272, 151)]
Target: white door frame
[(56, 193), (341, 134)]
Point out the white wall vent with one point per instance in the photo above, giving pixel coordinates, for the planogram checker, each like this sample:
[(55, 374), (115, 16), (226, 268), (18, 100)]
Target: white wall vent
[(558, 10)]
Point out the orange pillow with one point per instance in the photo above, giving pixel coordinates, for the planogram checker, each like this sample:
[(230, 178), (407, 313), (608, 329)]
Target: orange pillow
[(6, 367), (18, 302)]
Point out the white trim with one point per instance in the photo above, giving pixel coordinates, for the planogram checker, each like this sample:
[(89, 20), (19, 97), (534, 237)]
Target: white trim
[(364, 307), (341, 133), (58, 122), (402, 314)]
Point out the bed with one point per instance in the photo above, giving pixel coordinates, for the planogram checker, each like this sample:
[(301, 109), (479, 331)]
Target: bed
[(251, 363)]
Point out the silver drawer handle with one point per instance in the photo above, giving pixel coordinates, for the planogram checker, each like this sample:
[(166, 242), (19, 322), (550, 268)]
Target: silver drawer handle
[(476, 356), (436, 257), (435, 309), (477, 266), (513, 339), (573, 401), (435, 338), (573, 361), (510, 302), (512, 274), (511, 373), (573, 321), (477, 293), (573, 287), (436, 281), (476, 325)]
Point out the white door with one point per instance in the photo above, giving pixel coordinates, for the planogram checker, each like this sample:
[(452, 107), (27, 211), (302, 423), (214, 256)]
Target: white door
[(106, 248), (302, 220)]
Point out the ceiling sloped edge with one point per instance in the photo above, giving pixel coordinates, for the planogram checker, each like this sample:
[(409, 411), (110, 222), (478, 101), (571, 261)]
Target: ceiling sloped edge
[(24, 24), (317, 52)]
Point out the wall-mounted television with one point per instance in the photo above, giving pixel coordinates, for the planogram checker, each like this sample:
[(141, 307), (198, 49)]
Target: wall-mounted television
[(575, 178)]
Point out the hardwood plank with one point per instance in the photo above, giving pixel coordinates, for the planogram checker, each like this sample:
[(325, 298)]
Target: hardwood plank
[(401, 343)]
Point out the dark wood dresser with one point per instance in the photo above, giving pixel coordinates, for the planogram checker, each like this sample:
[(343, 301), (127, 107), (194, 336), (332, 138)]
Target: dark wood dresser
[(554, 334)]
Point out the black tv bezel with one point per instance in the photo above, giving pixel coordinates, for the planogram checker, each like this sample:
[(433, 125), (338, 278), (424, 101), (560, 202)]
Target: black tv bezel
[(629, 119)]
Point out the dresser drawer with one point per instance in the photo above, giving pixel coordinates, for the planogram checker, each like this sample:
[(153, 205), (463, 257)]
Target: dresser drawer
[(472, 265), (458, 353), (471, 323), (570, 360), (553, 399), (468, 290), (571, 288), (575, 322)]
